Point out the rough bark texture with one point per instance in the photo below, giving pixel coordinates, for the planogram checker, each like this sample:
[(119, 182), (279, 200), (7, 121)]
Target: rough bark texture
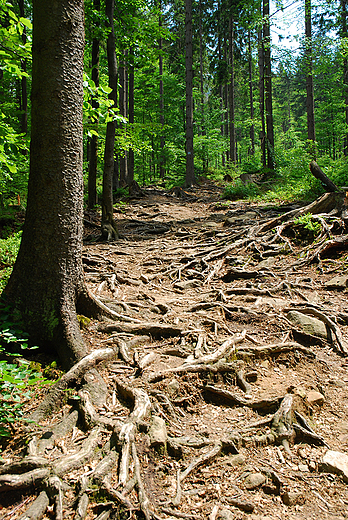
[(268, 85), (47, 278), (233, 154), (93, 151), (190, 173), (344, 34), (309, 74), (262, 96), (109, 228)]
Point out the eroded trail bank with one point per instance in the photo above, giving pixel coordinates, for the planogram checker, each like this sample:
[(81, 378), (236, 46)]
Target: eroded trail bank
[(224, 372)]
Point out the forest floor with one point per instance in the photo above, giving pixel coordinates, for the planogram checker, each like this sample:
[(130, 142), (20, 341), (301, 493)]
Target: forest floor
[(255, 404)]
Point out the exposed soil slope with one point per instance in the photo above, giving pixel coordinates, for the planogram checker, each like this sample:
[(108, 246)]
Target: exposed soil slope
[(205, 335)]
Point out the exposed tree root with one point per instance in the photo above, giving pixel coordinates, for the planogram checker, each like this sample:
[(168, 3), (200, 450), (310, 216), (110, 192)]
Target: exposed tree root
[(55, 394)]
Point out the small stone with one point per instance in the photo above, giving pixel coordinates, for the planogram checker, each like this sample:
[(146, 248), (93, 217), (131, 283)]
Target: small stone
[(303, 467), (254, 480), (300, 391), (291, 498), (315, 398), (173, 387), (312, 465), (335, 462), (226, 514), (265, 363), (236, 460), (158, 433), (187, 284), (338, 283), (267, 262), (310, 325)]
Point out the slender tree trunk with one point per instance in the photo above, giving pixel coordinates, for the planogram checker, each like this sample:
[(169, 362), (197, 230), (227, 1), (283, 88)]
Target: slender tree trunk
[(93, 142), (24, 85), (190, 172), (109, 228), (344, 34), (232, 129), (268, 86), (309, 75), (161, 98), (251, 97), (201, 77), (123, 112), (130, 173), (262, 96), (47, 281)]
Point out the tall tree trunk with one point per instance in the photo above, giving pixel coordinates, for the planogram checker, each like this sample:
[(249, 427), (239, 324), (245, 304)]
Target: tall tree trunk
[(251, 97), (262, 96), (123, 112), (130, 173), (93, 144), (109, 229), (24, 86), (190, 172), (161, 96), (232, 129), (309, 76), (268, 86), (344, 34), (201, 77), (47, 280)]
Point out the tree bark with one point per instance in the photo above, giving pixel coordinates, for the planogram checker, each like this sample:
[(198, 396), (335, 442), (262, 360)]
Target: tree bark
[(123, 112), (233, 154), (262, 96), (24, 86), (309, 76), (251, 97), (190, 172), (344, 34), (47, 280), (93, 150), (130, 172), (268, 86), (109, 229), (161, 96)]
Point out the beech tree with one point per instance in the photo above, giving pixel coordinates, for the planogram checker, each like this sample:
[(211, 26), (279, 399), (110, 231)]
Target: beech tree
[(47, 284)]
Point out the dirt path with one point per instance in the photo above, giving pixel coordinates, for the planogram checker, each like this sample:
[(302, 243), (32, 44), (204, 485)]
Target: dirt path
[(196, 301)]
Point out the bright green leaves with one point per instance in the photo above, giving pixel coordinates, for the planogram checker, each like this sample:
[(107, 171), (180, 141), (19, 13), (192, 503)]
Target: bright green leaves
[(104, 112)]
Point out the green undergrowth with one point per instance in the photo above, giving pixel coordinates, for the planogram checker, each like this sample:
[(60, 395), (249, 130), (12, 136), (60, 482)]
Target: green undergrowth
[(9, 248), (18, 376)]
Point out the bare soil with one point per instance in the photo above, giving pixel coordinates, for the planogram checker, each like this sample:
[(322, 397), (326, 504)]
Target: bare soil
[(187, 263)]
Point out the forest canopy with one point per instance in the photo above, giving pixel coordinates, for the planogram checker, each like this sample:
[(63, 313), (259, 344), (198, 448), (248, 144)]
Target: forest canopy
[(251, 92)]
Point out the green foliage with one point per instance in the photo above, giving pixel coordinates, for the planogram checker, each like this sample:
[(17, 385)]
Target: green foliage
[(238, 190), (16, 378), (308, 223), (8, 252)]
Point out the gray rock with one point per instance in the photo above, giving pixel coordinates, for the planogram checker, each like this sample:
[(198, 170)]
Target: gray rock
[(236, 460), (338, 282), (254, 480), (226, 514), (309, 324), (158, 433), (267, 262), (291, 498), (335, 462), (187, 284), (173, 387)]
